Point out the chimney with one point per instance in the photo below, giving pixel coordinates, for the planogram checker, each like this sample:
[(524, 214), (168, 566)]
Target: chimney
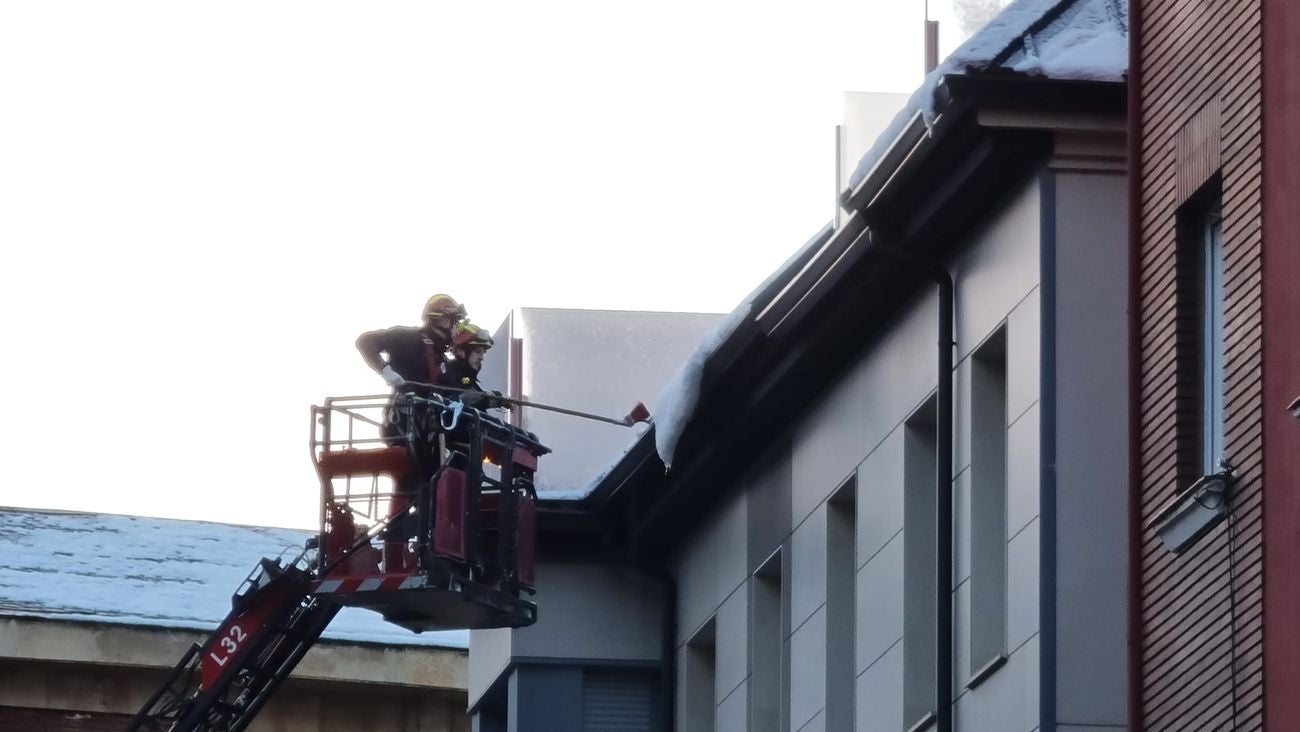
[(931, 44)]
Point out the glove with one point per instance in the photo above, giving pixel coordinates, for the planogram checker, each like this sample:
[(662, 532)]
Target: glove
[(494, 401), (393, 378)]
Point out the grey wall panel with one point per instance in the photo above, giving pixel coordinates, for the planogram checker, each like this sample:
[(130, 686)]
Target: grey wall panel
[(961, 632), (768, 500), (733, 642), (489, 655), (1023, 470), (998, 271), (828, 444), (961, 410), (962, 528), (880, 496), (880, 694), (733, 711), (880, 604), (808, 670), (571, 596), (1024, 344), (1092, 455), (816, 724), (808, 567), (695, 570), (1022, 586), (1007, 701), (712, 565), (899, 374)]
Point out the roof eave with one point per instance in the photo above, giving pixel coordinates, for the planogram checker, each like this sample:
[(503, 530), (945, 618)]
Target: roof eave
[(767, 354)]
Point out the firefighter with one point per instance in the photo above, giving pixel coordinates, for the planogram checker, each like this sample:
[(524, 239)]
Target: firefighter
[(413, 354), (469, 345), (409, 358)]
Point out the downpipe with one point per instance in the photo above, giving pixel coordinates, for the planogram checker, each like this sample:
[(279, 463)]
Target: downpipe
[(668, 653), (943, 503), (943, 426)]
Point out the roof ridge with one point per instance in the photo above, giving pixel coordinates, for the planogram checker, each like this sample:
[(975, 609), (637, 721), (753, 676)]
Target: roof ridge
[(88, 514)]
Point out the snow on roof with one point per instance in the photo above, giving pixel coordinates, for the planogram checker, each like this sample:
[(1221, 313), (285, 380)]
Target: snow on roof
[(1084, 40), (161, 573), (681, 393), (677, 400)]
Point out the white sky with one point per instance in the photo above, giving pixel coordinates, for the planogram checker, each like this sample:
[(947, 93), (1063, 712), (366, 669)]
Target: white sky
[(202, 205)]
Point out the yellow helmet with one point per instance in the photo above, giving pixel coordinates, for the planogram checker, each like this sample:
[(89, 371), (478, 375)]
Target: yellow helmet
[(468, 335)]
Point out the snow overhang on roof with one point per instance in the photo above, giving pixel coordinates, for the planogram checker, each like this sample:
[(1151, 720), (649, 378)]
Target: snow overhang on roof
[(1051, 54)]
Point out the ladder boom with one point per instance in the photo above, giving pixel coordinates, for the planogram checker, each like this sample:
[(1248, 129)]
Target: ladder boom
[(221, 685)]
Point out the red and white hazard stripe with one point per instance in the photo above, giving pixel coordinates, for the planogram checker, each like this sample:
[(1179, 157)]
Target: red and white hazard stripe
[(374, 583)]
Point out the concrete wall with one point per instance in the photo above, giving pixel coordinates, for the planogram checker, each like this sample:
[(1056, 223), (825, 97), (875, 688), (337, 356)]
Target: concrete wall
[(31, 639), (601, 362), (586, 614), (83, 668), (298, 706)]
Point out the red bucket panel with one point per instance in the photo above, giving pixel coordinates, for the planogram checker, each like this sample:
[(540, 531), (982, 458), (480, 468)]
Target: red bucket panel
[(449, 527)]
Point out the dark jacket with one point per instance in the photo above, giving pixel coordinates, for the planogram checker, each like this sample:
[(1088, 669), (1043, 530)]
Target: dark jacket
[(415, 354), (458, 375)]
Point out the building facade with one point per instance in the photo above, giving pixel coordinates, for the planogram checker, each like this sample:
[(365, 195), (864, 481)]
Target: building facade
[(861, 530), (1215, 365)]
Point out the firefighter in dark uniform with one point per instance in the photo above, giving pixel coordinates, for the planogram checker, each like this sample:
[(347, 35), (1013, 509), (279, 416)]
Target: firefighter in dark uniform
[(404, 353), (409, 358), (469, 344)]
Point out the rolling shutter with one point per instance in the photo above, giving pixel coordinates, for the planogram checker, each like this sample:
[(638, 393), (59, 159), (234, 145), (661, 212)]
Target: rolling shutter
[(617, 701)]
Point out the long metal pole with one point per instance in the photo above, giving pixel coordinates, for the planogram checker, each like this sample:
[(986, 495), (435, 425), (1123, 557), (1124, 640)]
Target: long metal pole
[(625, 422)]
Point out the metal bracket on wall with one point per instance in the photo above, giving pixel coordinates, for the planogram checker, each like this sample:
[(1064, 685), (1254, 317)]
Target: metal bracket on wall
[(1193, 512)]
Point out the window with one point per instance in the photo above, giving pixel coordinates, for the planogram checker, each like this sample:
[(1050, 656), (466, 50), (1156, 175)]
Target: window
[(920, 586), (766, 642), (1210, 233), (841, 606), (701, 679), (1200, 332), (988, 507)]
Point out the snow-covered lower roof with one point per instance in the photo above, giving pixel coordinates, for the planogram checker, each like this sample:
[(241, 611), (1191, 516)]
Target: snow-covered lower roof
[(1068, 40), (152, 572)]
